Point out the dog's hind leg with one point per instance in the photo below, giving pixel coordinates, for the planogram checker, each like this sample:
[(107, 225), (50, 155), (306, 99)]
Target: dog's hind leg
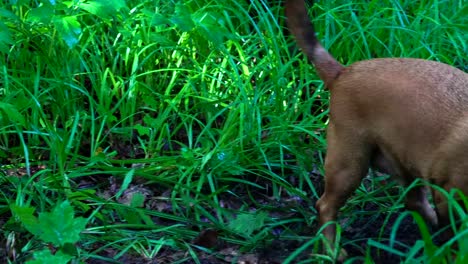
[(346, 163), (416, 200)]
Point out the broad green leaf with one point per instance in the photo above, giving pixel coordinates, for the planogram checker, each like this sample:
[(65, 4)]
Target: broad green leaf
[(142, 130), (70, 249), (43, 14), (10, 112), (246, 224), (212, 28), (25, 215), (183, 18), (131, 216), (8, 15), (60, 226), (159, 19), (161, 39), (138, 200), (44, 256), (69, 29), (5, 38), (103, 8)]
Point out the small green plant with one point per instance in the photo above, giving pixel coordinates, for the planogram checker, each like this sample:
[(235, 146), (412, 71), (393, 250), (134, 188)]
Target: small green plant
[(59, 228)]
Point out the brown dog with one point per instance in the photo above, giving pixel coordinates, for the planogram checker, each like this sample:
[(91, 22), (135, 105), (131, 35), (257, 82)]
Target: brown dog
[(405, 117)]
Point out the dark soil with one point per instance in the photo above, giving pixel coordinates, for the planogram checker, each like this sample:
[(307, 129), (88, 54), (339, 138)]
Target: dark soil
[(373, 224)]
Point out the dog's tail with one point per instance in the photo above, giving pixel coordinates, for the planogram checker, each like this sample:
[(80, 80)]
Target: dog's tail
[(300, 26)]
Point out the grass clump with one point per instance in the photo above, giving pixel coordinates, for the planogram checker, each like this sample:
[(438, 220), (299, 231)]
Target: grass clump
[(133, 129)]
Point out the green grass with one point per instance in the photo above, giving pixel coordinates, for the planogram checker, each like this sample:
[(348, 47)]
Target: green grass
[(201, 103)]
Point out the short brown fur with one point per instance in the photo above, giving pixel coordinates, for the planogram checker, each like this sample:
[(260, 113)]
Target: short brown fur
[(405, 117)]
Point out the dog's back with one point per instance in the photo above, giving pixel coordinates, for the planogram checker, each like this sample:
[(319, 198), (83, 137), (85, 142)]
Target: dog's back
[(407, 108)]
